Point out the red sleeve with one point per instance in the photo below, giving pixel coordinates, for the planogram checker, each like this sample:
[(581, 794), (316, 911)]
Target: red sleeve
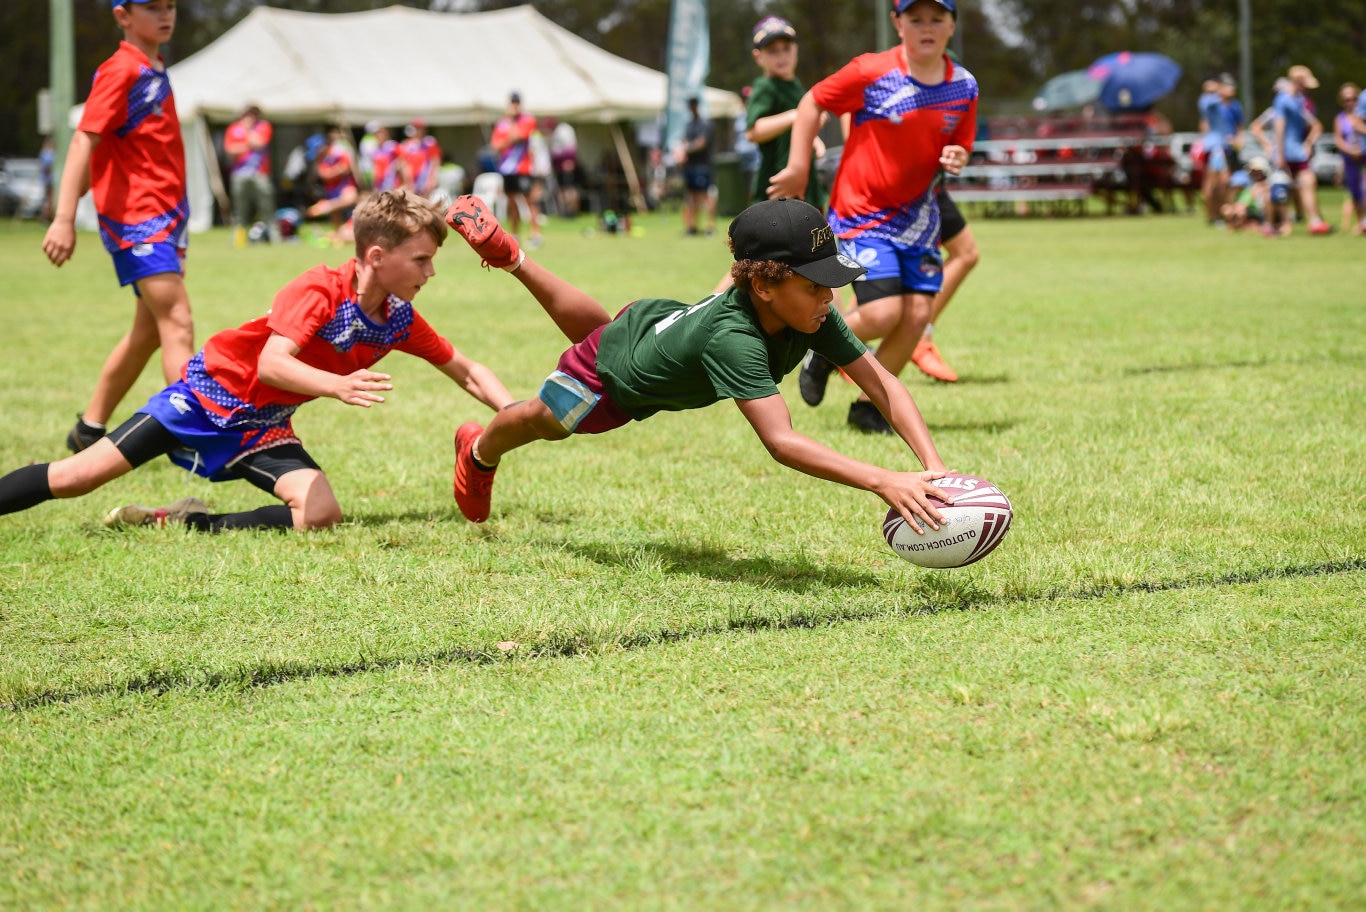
[(107, 107), (426, 343), (306, 304), (842, 91)]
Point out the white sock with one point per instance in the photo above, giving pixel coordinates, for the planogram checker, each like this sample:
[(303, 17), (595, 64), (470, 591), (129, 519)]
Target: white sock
[(521, 258)]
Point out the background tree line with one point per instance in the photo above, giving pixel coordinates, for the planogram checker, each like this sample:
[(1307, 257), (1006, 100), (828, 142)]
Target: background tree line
[(1012, 52)]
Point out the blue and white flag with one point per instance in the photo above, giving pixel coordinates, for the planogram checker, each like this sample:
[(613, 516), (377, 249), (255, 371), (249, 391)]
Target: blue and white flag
[(687, 67)]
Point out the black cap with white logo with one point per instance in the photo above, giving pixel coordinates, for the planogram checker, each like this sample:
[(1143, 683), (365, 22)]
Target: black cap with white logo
[(793, 232)]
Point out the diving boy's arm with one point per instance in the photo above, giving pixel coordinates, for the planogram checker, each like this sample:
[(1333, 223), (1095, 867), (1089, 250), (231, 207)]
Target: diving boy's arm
[(279, 366), (910, 493), (791, 181), (477, 380), (895, 403)]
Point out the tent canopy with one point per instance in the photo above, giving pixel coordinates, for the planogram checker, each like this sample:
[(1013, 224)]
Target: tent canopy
[(396, 64)]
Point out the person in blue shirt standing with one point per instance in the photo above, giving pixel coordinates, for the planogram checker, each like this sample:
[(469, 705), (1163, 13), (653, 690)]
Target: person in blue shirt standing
[(1234, 121), (1215, 184), (1296, 128)]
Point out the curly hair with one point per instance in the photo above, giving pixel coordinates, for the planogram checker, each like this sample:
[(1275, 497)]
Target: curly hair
[(390, 217), (744, 272)]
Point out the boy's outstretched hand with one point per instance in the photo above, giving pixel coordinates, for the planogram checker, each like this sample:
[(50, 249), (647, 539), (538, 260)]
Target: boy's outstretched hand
[(915, 498), (358, 387)]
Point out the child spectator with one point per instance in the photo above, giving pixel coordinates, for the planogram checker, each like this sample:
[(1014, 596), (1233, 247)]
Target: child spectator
[(335, 167), (511, 142), (247, 141), (127, 150), (913, 113), (1250, 206), (229, 415), (388, 165), (1296, 130), (770, 111), (695, 155), (422, 153), (662, 355)]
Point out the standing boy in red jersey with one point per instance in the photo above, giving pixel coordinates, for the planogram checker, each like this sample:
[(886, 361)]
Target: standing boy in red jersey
[(229, 416), (913, 113), (128, 151)]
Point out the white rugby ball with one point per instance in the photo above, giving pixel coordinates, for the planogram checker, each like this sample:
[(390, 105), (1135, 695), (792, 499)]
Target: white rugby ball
[(974, 524)]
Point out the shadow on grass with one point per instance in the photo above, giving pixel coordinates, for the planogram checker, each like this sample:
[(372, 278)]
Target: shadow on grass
[(981, 379), (1211, 365), (937, 595), (763, 572), (983, 427)]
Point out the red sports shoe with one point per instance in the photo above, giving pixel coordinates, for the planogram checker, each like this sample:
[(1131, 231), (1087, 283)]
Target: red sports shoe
[(472, 220), (926, 357), (473, 485), (1320, 228)]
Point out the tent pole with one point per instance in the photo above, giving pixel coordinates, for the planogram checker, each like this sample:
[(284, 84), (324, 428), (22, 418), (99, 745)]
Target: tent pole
[(628, 164), (220, 193)]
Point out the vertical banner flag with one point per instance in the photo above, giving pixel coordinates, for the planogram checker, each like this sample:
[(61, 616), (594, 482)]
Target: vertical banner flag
[(687, 66)]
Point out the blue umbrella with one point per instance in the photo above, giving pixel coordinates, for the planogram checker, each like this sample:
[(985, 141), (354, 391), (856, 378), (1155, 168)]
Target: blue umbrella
[(1134, 81), (1067, 90)]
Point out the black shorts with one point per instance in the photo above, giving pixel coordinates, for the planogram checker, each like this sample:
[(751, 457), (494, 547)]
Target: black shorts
[(516, 183), (951, 221), (142, 438)]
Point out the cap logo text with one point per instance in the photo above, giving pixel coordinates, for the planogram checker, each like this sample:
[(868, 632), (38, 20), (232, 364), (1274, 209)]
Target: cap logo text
[(821, 235)]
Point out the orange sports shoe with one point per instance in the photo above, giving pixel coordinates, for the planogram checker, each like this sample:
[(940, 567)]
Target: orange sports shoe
[(926, 357), (470, 217), (473, 485)]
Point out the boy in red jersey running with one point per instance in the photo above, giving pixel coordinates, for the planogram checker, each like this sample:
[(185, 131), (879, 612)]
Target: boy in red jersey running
[(229, 416), (128, 151), (661, 355), (913, 113)]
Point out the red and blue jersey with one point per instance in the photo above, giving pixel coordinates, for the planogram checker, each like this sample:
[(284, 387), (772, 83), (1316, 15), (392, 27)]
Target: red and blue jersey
[(423, 155), (890, 166), (386, 176), (137, 169), (337, 158), (512, 137), (319, 313), (250, 162)]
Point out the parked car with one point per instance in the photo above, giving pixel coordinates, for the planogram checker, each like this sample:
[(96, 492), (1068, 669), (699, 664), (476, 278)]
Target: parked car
[(21, 187), (1326, 161)]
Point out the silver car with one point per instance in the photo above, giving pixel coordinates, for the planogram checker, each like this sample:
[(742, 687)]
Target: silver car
[(21, 187)]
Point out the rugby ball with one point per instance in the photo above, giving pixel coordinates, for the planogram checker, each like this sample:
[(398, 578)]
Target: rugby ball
[(974, 524)]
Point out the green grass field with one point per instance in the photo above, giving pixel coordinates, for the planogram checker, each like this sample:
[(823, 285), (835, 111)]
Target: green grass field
[(669, 673)]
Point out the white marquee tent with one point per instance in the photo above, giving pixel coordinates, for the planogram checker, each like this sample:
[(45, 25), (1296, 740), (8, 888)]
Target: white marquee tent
[(396, 64)]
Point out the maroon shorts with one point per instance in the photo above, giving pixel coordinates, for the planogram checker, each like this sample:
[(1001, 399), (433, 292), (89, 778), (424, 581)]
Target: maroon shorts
[(581, 363)]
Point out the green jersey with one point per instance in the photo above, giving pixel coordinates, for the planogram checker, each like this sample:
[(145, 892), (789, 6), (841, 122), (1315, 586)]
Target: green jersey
[(662, 355), (770, 96)]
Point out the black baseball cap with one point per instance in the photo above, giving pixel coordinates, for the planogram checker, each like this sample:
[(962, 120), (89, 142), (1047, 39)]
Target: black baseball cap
[(770, 29), (793, 232)]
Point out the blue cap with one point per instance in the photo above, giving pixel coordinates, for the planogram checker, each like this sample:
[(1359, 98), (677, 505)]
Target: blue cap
[(902, 5), (115, 4)]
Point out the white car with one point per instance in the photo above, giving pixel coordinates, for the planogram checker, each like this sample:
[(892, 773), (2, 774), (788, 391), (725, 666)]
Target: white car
[(1326, 161)]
